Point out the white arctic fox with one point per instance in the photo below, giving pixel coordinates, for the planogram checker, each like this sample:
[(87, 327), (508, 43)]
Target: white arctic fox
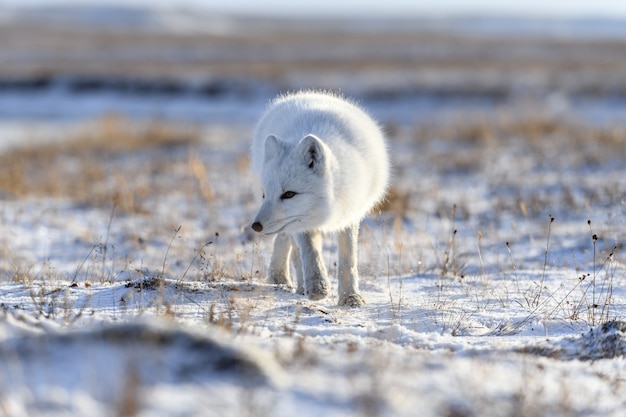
[(323, 164)]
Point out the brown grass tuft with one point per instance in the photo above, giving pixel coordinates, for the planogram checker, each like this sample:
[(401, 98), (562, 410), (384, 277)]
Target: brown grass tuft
[(100, 165), (395, 201), (532, 129)]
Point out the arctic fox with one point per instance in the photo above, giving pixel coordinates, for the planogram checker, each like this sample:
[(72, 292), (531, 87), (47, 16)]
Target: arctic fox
[(323, 164)]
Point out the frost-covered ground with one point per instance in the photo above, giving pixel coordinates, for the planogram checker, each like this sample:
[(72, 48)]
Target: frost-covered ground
[(130, 283)]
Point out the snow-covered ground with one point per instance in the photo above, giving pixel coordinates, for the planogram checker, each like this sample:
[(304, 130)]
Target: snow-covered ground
[(478, 303), (131, 283)]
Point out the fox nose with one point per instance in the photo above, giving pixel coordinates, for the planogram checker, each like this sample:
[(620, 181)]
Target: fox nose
[(257, 227)]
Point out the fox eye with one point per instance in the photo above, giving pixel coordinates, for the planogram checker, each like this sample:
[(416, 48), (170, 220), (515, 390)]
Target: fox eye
[(287, 194)]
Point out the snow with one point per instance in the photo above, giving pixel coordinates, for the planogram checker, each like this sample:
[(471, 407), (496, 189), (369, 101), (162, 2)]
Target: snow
[(139, 328), (478, 303)]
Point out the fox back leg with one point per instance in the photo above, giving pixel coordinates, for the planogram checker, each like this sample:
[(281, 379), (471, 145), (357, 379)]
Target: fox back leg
[(347, 272)]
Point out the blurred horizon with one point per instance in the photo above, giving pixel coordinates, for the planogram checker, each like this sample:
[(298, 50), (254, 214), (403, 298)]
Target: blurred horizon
[(201, 61), (533, 9)]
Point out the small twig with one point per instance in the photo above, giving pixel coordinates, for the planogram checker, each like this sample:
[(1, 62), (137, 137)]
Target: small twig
[(80, 267), (545, 262), (508, 248), (169, 246), (389, 285), (204, 245), (594, 239), (106, 239)]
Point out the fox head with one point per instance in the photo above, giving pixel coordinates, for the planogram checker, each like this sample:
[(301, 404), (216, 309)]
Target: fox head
[(297, 184)]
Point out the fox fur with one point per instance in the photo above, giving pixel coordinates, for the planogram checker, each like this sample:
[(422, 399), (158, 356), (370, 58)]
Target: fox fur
[(323, 165)]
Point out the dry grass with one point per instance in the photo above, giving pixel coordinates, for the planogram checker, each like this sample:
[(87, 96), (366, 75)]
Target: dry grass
[(113, 160), (533, 145), (100, 165), (533, 130)]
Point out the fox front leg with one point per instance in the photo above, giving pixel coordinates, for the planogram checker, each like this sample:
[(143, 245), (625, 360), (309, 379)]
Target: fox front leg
[(296, 261), (279, 264), (313, 269), (347, 272)]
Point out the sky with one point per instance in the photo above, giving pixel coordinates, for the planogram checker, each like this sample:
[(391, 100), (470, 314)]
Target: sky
[(533, 8)]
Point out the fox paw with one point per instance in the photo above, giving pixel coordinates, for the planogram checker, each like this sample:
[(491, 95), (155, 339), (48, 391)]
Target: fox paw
[(352, 300), (280, 279), (317, 290)]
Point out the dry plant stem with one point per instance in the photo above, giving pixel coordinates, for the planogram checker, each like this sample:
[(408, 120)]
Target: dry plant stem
[(161, 280), (448, 263), (545, 263), (396, 307), (604, 296), (594, 239), (106, 240), (167, 251), (204, 245), (606, 305), (508, 248), (389, 285), (82, 264)]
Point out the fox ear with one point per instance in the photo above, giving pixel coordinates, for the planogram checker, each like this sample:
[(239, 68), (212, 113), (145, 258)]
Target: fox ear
[(311, 149), (271, 147)]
